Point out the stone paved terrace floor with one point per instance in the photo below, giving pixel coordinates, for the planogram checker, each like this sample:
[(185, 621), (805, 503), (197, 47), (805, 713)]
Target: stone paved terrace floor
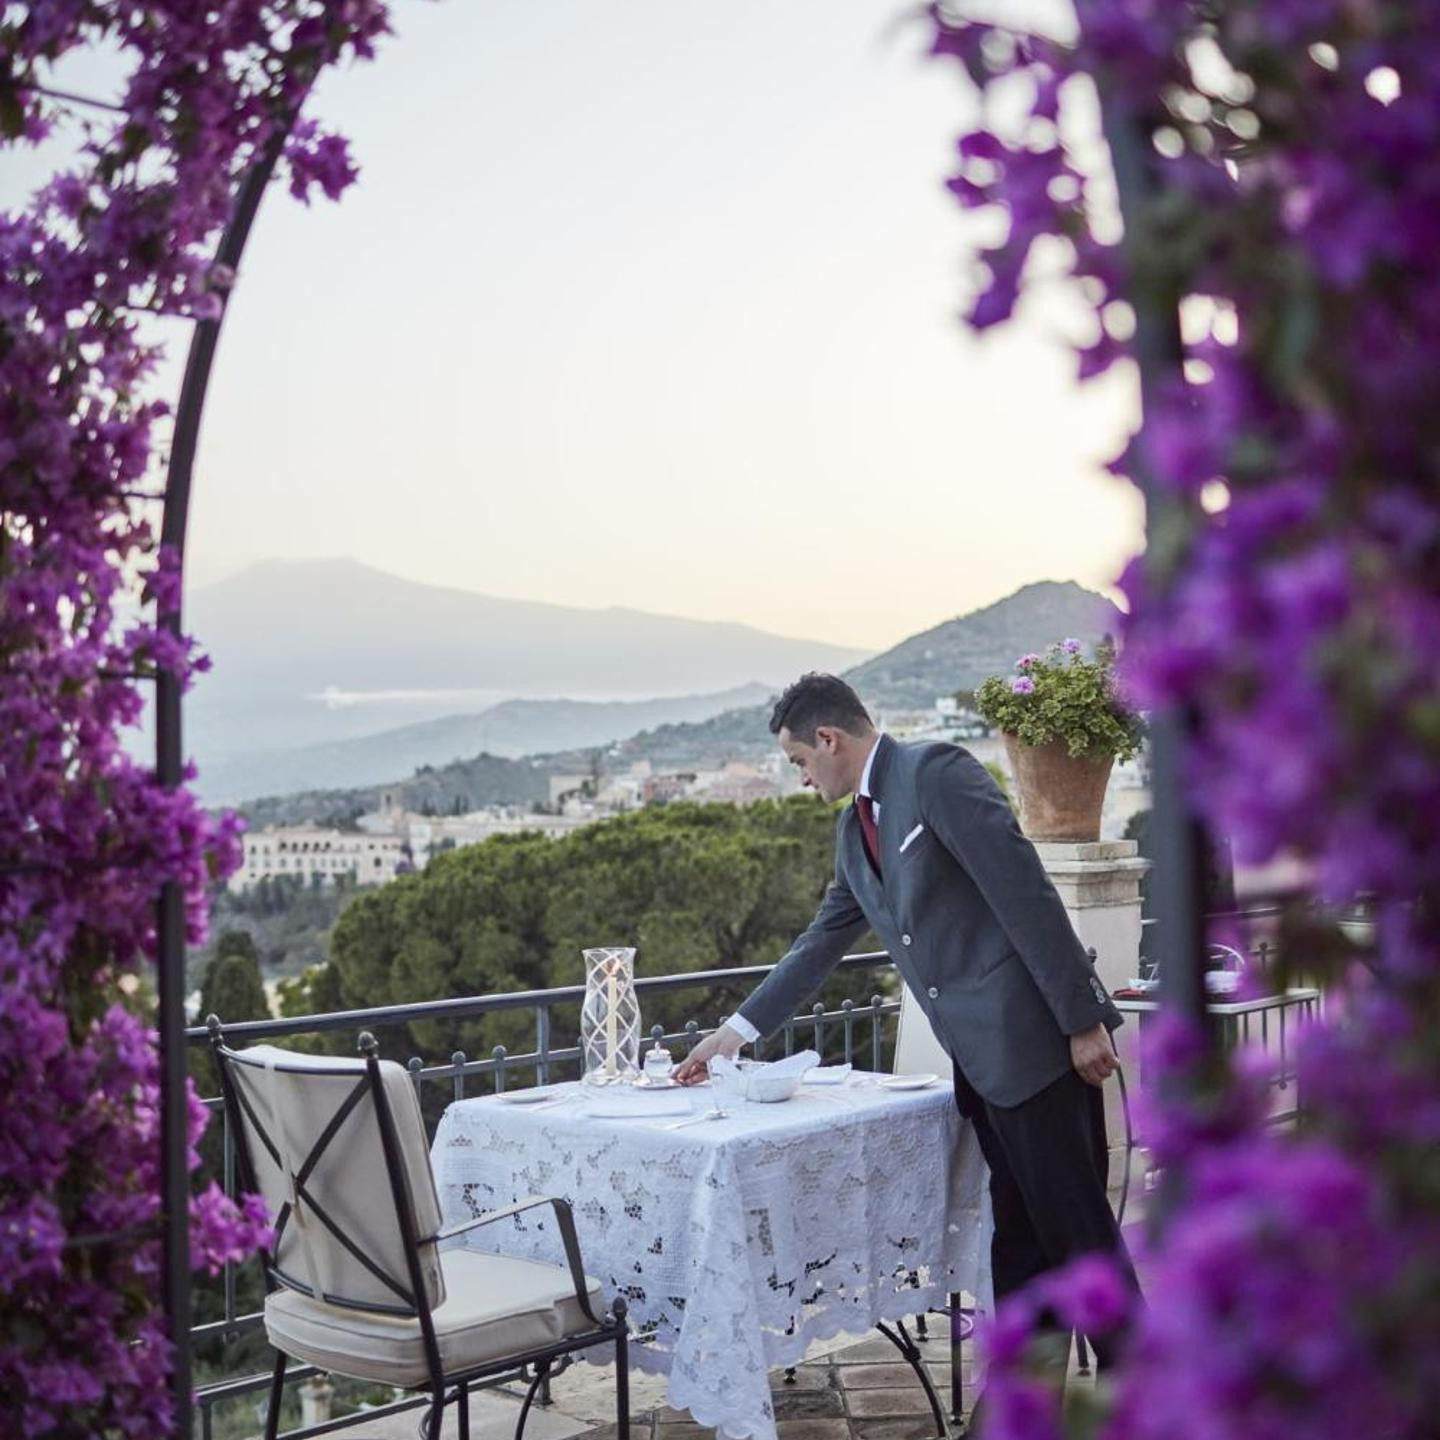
[(860, 1391), (850, 1388)]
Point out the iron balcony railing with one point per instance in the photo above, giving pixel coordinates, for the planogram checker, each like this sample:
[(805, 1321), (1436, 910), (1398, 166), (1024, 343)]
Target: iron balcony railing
[(858, 1030), (863, 1031)]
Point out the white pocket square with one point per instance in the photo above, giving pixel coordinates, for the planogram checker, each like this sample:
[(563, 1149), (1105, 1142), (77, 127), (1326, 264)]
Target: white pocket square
[(905, 843)]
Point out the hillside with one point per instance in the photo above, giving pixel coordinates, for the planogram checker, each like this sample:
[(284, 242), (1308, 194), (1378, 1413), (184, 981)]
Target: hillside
[(956, 655), (463, 785), (960, 653), (734, 735), (509, 730)]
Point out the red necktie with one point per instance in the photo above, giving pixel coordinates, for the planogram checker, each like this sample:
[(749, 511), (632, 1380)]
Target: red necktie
[(866, 806)]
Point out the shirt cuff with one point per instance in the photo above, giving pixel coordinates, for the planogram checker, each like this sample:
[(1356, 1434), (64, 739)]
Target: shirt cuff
[(742, 1027)]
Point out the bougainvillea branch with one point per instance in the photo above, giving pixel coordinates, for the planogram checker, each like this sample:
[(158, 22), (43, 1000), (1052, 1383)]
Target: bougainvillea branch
[(1290, 603), (87, 835)]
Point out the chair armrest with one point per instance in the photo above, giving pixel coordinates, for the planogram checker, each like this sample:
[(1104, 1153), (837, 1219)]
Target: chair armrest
[(565, 1219), (450, 1231)]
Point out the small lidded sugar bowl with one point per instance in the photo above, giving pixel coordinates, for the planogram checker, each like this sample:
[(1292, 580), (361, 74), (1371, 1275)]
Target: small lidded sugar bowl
[(658, 1065)]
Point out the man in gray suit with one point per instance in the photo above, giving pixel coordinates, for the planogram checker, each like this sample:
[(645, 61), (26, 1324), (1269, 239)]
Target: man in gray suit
[(930, 857)]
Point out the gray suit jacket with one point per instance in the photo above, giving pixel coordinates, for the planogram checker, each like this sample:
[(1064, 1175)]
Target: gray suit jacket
[(969, 916)]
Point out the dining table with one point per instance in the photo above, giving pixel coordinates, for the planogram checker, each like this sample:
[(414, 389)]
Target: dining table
[(741, 1234)]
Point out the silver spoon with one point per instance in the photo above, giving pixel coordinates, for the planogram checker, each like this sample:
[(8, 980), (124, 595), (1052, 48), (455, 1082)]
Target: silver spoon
[(716, 1114)]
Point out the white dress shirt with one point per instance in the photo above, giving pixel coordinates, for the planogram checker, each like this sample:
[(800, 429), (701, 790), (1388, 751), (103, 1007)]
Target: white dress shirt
[(738, 1023)]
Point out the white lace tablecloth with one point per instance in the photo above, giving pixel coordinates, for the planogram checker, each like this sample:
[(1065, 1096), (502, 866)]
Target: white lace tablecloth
[(736, 1242)]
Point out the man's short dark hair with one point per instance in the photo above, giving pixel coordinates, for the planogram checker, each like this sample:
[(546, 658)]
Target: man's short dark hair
[(817, 699)]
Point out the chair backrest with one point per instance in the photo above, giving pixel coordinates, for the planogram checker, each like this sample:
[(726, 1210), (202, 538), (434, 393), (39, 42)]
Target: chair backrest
[(917, 1048), (309, 1139)]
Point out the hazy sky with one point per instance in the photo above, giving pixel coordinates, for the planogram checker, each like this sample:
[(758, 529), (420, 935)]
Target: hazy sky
[(654, 303)]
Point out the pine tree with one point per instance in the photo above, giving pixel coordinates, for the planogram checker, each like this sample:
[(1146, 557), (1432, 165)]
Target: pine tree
[(232, 989)]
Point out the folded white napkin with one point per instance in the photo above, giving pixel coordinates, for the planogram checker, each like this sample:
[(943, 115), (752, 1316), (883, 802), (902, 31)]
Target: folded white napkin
[(829, 1075), (796, 1064), (619, 1102), (734, 1081)]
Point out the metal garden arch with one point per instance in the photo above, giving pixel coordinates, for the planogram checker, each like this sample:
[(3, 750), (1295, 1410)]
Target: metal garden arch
[(1178, 842)]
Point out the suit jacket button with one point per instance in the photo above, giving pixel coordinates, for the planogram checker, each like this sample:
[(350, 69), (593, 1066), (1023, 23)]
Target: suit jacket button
[(933, 993), (904, 939)]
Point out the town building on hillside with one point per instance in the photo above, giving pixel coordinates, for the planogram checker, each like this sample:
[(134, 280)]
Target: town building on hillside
[(430, 835), (947, 719), (619, 793), (309, 851), (738, 783), (1126, 796), (662, 789), (566, 787)]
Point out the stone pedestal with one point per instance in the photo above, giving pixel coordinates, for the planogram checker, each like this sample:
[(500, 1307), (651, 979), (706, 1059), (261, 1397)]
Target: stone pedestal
[(1099, 885)]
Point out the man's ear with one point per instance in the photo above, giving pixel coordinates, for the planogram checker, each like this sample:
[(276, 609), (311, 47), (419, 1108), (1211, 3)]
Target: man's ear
[(827, 738)]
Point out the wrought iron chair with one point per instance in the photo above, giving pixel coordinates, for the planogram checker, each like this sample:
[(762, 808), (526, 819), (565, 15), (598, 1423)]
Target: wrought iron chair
[(358, 1284)]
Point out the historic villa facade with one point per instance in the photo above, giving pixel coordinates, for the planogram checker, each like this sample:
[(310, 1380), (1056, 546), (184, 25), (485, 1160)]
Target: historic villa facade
[(308, 850)]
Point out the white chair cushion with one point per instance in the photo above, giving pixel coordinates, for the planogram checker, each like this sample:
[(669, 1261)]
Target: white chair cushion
[(494, 1307)]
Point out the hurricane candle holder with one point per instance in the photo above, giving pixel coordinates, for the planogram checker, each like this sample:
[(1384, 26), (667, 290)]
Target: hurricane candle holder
[(610, 1016)]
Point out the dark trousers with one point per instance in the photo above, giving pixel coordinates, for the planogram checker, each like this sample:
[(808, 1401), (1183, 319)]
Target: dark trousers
[(1048, 1159)]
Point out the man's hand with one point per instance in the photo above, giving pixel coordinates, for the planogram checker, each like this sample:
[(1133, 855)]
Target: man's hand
[(1093, 1055), (694, 1067)]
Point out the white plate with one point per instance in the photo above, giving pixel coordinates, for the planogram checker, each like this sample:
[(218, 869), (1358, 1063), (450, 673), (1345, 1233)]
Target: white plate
[(906, 1082), (646, 1083), (527, 1097)]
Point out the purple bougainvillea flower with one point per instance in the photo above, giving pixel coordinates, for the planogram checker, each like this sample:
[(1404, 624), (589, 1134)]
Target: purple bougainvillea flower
[(1004, 1338), (1090, 1294), (1022, 685), (90, 835), (1021, 1408), (1290, 610)]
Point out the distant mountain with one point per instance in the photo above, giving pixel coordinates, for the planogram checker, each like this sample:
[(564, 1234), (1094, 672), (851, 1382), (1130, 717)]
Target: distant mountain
[(960, 653), (508, 730), (463, 785), (956, 655), (311, 652)]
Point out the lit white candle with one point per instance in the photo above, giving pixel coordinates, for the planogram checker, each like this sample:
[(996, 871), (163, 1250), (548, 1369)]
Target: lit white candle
[(612, 988)]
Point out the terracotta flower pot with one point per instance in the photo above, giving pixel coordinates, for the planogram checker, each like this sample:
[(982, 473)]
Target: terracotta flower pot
[(1060, 795)]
